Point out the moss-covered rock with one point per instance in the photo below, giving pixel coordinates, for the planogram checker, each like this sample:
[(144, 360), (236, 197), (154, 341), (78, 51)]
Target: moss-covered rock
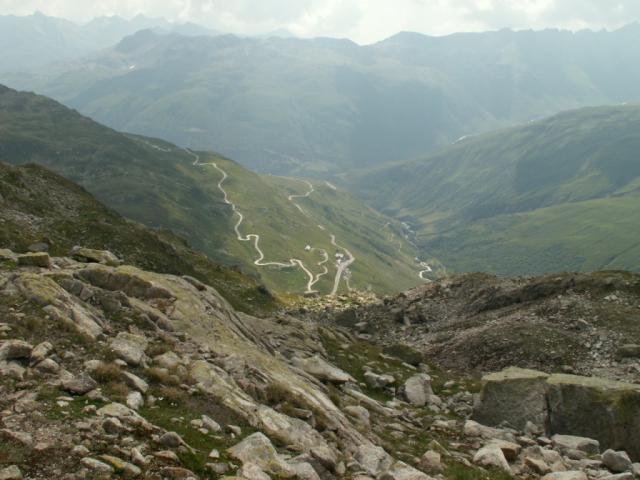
[(514, 396), (597, 408)]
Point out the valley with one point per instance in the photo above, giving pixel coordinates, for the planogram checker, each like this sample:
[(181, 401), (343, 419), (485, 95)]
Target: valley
[(560, 193), (190, 193)]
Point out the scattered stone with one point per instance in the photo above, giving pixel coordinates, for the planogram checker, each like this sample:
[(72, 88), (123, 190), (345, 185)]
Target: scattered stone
[(80, 451), (129, 347), (177, 473), (373, 459), (538, 465), (569, 475), (40, 352), (210, 424), (15, 350), (167, 456), (617, 462), (96, 465), (168, 360), (171, 440), (135, 382), (79, 385), (491, 456), (138, 458), (112, 426), (378, 381), (402, 471), (48, 366), (431, 462), (304, 471), (257, 448), (251, 471), (12, 370), (510, 450), (135, 400), (219, 468), (474, 429), (572, 442), (417, 389)]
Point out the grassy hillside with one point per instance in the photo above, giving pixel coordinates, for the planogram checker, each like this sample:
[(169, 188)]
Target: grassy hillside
[(555, 194), (38, 205), (384, 259), (324, 105), (157, 183)]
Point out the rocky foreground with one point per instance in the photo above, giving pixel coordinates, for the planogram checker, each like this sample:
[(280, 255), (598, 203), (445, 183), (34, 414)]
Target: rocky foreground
[(110, 371)]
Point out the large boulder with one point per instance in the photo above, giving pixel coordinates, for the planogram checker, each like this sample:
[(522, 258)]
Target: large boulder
[(597, 408), (513, 396)]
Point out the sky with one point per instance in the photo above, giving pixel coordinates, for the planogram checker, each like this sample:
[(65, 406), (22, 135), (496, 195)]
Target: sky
[(364, 21)]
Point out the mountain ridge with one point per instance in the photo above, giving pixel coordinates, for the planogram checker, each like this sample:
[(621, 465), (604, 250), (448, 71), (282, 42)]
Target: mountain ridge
[(251, 99)]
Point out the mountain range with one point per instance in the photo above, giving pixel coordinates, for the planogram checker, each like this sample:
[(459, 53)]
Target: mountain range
[(323, 106)]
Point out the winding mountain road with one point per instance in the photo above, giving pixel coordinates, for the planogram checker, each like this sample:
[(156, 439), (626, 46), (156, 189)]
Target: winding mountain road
[(312, 279)]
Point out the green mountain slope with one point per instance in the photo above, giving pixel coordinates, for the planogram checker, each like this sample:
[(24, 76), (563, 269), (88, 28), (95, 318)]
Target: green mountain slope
[(38, 205), (158, 184), (561, 193), (322, 106)]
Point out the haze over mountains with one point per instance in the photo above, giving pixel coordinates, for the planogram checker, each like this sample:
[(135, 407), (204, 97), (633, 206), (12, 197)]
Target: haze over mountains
[(37, 40), (324, 106)]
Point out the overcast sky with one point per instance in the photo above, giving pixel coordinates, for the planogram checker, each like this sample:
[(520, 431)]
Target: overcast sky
[(364, 21)]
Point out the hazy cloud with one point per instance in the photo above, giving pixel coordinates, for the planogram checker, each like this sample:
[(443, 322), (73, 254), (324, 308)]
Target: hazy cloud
[(362, 20)]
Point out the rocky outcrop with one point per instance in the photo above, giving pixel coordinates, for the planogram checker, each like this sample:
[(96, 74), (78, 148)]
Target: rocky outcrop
[(597, 408)]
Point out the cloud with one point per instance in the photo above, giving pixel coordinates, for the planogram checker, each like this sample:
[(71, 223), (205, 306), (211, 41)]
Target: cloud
[(362, 20)]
